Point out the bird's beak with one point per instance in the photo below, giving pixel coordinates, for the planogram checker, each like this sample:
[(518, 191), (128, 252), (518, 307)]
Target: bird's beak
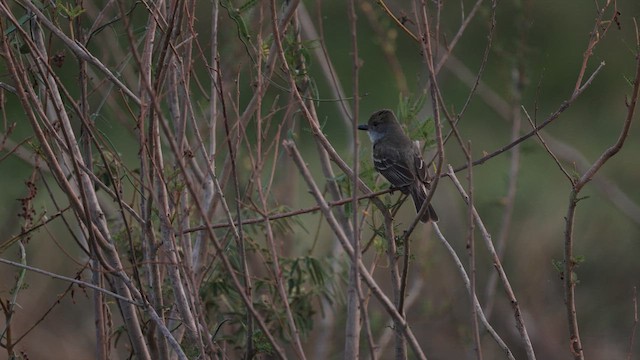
[(363, 127)]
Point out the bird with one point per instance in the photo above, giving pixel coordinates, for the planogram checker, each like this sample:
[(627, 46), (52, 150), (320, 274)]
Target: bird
[(398, 159)]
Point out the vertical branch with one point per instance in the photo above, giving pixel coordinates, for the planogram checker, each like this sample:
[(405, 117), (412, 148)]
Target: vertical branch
[(354, 291), (434, 89), (240, 239), (145, 130), (396, 283), (302, 19), (166, 209), (634, 327), (277, 270), (99, 304), (200, 245), (177, 84), (575, 344), (258, 167), (570, 263), (471, 248), (9, 308)]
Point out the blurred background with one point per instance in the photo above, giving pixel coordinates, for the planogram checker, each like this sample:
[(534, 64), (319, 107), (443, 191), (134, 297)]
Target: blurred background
[(536, 53)]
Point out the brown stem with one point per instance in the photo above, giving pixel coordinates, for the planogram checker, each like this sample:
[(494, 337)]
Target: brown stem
[(569, 260)]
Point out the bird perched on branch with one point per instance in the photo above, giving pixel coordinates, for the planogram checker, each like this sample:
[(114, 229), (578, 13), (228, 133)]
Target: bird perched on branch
[(398, 159)]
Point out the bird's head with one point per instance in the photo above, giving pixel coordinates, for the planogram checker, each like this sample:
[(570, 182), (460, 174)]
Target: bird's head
[(380, 124)]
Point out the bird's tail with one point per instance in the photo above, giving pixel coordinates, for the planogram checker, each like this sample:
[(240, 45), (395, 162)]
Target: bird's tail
[(419, 195)]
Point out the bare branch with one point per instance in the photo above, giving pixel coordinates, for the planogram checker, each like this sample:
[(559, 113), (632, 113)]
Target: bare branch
[(498, 265)]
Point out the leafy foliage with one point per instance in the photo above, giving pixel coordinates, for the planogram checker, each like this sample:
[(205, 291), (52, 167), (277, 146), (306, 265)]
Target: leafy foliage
[(309, 281)]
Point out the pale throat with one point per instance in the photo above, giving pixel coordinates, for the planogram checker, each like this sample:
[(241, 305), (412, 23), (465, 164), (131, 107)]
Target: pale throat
[(375, 136)]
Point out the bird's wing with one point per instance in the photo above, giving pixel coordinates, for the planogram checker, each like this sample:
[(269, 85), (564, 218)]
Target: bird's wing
[(393, 166), (422, 172)]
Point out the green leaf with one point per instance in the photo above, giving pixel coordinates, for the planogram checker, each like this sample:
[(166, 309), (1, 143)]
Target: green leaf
[(69, 11)]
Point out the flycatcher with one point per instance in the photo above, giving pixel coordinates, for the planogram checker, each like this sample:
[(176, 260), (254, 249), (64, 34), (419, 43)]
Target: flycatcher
[(398, 159)]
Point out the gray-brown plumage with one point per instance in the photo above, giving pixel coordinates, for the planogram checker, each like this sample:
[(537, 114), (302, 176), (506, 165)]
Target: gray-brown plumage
[(398, 159)]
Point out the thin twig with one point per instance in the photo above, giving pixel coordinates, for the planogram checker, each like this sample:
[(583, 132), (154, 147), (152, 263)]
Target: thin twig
[(634, 326), (517, 313), (465, 22), (78, 49), (355, 300), (546, 147), (467, 283), (68, 279), (471, 249), (396, 20), (428, 55), (570, 262), (600, 29), (562, 108)]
